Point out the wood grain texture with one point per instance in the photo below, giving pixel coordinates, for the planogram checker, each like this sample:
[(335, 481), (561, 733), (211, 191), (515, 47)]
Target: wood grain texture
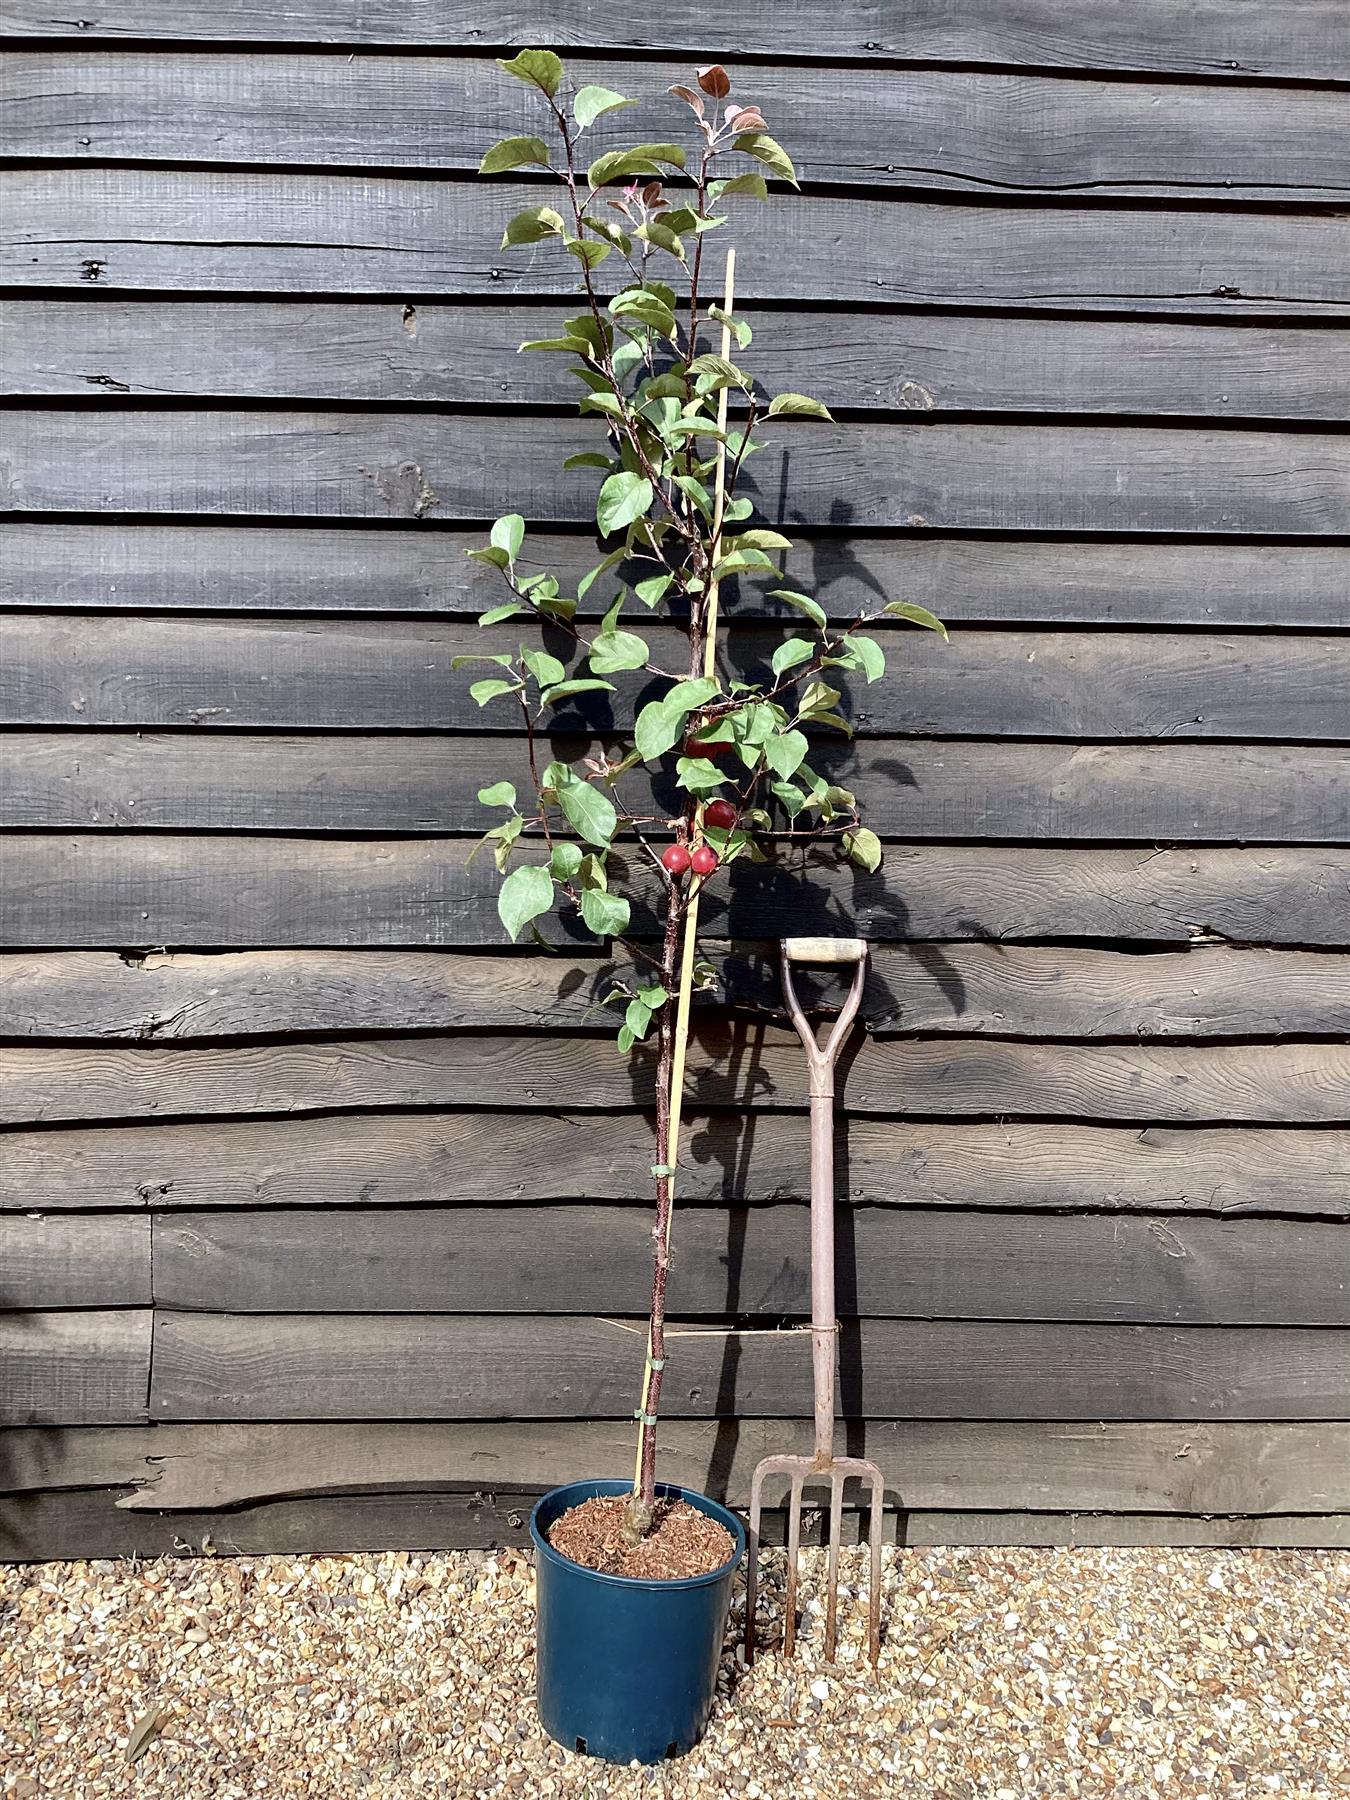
[(391, 353), (968, 132), (52, 1527), (146, 890), (366, 570), (395, 1159), (92, 669), (1011, 990), (1140, 1468), (74, 1368), (49, 1261), (1305, 39), (326, 1366), (755, 1065), (398, 784), (223, 232), (936, 476), (939, 1264)]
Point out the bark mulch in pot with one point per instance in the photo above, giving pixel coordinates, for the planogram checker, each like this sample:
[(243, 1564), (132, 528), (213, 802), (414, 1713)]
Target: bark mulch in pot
[(682, 1541)]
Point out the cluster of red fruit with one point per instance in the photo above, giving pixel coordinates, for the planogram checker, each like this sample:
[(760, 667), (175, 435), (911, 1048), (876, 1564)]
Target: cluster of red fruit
[(721, 815)]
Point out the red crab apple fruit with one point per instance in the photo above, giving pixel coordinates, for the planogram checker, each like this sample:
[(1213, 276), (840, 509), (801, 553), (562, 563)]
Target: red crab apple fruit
[(720, 814), (676, 859), (707, 746), (704, 860)]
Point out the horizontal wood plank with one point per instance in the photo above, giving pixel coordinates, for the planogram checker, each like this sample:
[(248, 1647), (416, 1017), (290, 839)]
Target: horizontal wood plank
[(391, 354), (1144, 1468), (325, 1366), (74, 1368), (1289, 38), (365, 570), (49, 1261), (89, 1523), (396, 784), (940, 1264), (936, 476), (968, 132), (350, 675), (150, 890), (747, 1065), (400, 1159), (220, 232), (1011, 990)]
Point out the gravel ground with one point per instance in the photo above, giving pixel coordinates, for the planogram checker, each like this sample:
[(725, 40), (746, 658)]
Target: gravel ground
[(1133, 1673)]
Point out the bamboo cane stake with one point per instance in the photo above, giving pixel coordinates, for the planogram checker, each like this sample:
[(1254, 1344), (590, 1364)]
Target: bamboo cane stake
[(690, 940)]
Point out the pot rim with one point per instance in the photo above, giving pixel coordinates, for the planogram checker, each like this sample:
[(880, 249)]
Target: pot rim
[(598, 1485)]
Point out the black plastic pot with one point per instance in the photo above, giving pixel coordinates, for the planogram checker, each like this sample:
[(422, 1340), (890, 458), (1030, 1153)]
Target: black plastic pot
[(627, 1668)]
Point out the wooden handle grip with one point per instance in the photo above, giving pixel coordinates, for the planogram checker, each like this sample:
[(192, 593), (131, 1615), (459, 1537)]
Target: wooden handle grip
[(823, 950)]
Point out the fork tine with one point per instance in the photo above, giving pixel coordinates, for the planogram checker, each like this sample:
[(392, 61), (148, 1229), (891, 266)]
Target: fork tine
[(874, 1590), (752, 1563), (837, 1478), (793, 1550)]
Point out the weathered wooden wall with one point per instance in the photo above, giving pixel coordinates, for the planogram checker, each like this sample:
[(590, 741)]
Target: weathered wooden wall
[(281, 1123)]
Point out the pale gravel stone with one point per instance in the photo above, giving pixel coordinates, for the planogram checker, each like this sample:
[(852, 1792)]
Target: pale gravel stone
[(1138, 1674)]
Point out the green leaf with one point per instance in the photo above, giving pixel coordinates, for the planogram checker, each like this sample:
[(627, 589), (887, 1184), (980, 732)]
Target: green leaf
[(541, 68), (589, 578), (760, 538), (532, 226), (798, 406), (863, 847), (496, 614), (498, 559), (591, 101), (509, 534), (501, 793), (803, 603), (483, 691), (696, 491), (788, 655), (646, 307), (642, 159), (784, 754), (768, 151), (661, 722), (698, 775), (917, 615), (738, 510), (739, 329), (513, 153), (574, 345), (651, 590), (624, 498), (626, 1039), (565, 862), (587, 250), (546, 669), (751, 182), (637, 1018), (606, 914), (871, 657), (658, 233), (791, 798), (526, 893), (653, 996), (588, 459), (563, 690), (590, 813), (616, 650), (656, 730)]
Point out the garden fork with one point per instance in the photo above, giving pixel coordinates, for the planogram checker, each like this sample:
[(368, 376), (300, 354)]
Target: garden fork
[(821, 1060)]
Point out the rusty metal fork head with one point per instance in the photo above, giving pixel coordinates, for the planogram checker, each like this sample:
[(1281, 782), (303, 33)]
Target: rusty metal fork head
[(800, 1470)]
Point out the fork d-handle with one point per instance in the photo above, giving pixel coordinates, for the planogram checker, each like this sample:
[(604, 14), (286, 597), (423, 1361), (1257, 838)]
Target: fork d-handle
[(821, 1059)]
